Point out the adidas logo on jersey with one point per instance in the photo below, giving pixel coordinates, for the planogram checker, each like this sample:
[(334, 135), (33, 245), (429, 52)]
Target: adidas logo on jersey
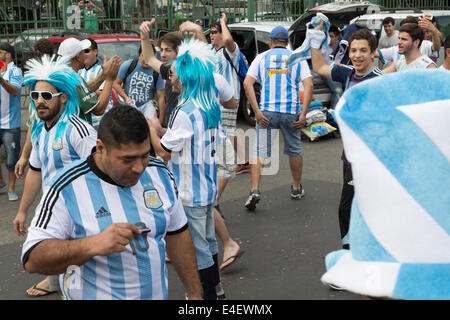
[(102, 213)]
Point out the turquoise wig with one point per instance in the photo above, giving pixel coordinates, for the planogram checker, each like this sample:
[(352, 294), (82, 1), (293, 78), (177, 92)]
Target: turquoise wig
[(61, 76), (195, 65)]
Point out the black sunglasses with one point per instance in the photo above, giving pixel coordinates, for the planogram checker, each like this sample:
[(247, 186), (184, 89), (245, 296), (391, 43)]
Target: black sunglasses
[(87, 50), (46, 95), (214, 31)]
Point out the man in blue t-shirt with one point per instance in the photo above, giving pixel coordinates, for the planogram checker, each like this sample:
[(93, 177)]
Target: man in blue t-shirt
[(362, 48), (10, 88), (139, 86)]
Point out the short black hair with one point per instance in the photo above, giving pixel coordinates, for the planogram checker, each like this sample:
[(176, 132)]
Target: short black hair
[(94, 44), (122, 125), (388, 20), (334, 29), (364, 34), (44, 46), (447, 42), (414, 31), (446, 45)]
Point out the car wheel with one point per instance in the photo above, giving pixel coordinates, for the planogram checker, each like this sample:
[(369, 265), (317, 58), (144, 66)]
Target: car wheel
[(245, 107)]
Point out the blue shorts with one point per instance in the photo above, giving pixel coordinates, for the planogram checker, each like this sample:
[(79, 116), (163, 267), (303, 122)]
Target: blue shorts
[(201, 227), (10, 138), (265, 136)]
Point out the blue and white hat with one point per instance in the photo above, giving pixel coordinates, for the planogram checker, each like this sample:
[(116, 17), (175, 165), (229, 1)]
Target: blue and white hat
[(399, 147)]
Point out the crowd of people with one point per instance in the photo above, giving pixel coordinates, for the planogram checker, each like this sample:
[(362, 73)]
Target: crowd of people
[(100, 169)]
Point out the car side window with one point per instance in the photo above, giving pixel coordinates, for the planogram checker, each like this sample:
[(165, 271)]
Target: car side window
[(245, 39)]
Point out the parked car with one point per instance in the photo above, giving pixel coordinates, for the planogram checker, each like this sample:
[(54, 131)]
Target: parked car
[(339, 14), (24, 42), (124, 44)]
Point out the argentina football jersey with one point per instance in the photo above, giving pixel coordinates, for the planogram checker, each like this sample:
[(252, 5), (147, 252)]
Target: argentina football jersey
[(50, 155), (193, 148), (83, 201), (279, 82), (224, 68)]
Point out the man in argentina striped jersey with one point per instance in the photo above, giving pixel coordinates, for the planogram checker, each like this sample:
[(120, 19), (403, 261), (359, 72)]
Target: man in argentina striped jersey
[(58, 137), (279, 109), (190, 146), (105, 220), (92, 68)]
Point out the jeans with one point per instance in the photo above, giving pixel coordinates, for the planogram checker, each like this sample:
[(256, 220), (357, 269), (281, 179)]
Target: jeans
[(265, 136), (201, 226), (11, 139)]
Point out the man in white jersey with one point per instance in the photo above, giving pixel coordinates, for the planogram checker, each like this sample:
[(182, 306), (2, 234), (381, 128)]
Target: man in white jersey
[(106, 220), (92, 68), (409, 40), (10, 88), (189, 144), (279, 109), (59, 137)]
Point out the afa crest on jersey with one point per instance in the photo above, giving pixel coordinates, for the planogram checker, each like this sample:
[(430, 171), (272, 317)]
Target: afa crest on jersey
[(152, 199), (58, 144)]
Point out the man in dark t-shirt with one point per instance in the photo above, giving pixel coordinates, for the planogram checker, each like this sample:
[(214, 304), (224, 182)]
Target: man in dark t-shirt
[(362, 48)]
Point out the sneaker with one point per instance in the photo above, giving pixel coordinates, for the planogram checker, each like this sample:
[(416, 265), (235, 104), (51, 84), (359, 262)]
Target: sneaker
[(12, 196), (3, 187), (253, 199), (297, 193), (220, 292), (243, 168)]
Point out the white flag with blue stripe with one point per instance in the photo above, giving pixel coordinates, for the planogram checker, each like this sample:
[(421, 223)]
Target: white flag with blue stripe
[(399, 149)]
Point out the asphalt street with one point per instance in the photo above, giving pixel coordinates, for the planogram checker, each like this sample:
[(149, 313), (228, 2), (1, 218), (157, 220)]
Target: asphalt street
[(285, 241)]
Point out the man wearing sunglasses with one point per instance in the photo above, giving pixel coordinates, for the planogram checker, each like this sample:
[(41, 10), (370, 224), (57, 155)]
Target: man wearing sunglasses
[(92, 100), (91, 70), (58, 137), (10, 89)]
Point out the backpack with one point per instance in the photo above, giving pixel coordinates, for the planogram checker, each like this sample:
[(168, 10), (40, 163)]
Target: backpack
[(118, 100), (242, 63), (131, 68)]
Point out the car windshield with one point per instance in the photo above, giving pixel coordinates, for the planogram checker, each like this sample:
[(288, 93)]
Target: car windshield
[(125, 49)]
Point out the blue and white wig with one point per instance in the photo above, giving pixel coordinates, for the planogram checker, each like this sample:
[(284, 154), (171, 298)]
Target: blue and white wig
[(195, 65), (61, 76)]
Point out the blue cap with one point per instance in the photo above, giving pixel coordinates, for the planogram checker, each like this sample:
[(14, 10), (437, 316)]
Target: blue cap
[(279, 33)]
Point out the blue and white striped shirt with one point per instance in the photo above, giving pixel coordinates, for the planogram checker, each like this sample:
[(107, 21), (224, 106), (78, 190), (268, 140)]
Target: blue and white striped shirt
[(83, 201), (279, 83), (9, 104), (193, 148), (224, 68), (50, 156)]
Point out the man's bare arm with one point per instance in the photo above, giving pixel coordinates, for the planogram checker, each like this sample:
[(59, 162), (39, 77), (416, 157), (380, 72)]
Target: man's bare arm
[(182, 256), (226, 35), (147, 49), (54, 256)]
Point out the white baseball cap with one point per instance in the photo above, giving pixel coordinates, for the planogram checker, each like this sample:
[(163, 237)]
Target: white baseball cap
[(72, 46)]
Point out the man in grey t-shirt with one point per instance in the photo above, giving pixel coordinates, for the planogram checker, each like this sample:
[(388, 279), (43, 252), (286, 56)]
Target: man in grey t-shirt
[(390, 36)]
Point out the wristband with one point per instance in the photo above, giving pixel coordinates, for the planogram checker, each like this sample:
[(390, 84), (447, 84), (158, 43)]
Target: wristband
[(317, 38)]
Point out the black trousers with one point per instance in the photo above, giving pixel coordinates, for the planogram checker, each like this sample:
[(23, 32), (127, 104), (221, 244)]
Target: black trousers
[(345, 205)]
